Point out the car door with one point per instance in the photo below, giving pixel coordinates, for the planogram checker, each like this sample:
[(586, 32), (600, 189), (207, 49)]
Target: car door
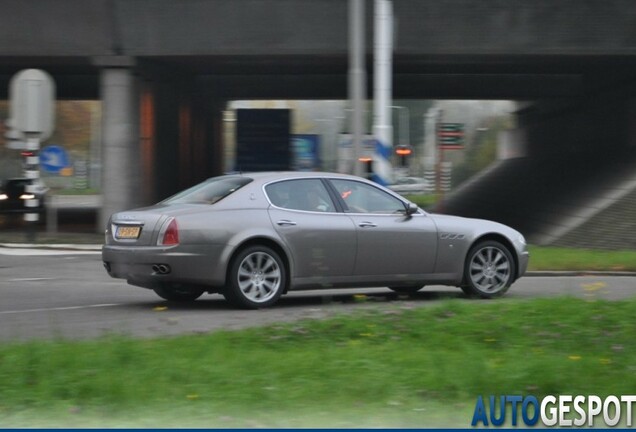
[(322, 239), (388, 241)]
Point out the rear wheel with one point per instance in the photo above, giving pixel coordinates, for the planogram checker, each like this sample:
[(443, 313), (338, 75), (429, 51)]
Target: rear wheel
[(407, 289), (256, 278), (489, 270), (178, 293)]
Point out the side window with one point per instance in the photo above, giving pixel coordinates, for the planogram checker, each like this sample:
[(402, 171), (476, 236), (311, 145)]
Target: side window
[(301, 194), (363, 198)]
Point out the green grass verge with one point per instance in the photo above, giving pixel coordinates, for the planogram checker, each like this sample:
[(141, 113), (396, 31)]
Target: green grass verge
[(423, 200), (555, 258), (73, 191), (562, 259), (396, 367)]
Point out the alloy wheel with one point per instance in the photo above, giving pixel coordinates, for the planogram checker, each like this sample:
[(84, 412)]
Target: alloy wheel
[(490, 270), (259, 277)]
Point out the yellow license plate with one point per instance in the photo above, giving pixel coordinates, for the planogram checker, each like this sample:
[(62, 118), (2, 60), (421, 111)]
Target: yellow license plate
[(127, 232)]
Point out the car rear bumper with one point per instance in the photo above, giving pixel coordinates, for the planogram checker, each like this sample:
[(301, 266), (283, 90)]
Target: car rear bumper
[(148, 266)]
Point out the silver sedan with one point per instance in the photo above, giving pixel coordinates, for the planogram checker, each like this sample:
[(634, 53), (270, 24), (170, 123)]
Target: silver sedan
[(254, 237)]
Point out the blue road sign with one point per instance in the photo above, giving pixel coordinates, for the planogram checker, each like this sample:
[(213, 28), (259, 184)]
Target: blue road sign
[(305, 154), (53, 158)]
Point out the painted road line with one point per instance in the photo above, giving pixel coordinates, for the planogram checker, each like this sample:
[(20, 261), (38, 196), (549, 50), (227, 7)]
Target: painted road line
[(57, 309), (30, 279)]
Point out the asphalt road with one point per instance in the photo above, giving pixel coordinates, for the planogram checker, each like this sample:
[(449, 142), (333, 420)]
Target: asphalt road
[(69, 295)]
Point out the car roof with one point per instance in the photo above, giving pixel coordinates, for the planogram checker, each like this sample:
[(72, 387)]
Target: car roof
[(266, 176)]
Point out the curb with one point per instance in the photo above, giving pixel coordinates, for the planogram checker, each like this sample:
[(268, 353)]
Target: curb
[(548, 273), (538, 273), (53, 246)]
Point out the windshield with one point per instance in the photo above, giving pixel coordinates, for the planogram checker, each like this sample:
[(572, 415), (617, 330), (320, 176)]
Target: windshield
[(210, 191)]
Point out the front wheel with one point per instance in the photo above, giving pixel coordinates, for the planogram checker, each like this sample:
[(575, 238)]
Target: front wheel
[(489, 270), (178, 293), (256, 278)]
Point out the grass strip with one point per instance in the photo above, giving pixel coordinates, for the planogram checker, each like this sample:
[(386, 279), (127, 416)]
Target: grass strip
[(397, 367), (571, 259)]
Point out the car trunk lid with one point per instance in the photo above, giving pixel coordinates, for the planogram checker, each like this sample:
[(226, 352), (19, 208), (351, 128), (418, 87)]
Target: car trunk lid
[(141, 227)]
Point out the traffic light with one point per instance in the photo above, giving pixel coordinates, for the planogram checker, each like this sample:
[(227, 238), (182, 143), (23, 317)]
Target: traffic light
[(368, 166), (403, 152)]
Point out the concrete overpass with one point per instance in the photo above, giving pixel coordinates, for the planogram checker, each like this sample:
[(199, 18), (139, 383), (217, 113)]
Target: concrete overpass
[(164, 70)]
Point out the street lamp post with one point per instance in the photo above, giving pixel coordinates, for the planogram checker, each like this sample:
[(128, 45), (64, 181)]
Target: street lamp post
[(357, 76)]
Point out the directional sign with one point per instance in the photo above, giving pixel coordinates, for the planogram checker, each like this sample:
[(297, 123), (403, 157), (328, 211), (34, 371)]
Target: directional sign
[(53, 159), (450, 135)]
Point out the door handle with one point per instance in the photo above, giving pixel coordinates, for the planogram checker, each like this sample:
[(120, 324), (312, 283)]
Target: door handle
[(367, 225), (286, 222)]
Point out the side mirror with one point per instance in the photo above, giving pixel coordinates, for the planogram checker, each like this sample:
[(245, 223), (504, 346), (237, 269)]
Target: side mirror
[(411, 209)]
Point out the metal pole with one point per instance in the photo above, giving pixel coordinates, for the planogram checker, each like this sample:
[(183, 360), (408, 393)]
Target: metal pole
[(382, 90), (32, 171), (95, 149), (357, 78), (51, 215)]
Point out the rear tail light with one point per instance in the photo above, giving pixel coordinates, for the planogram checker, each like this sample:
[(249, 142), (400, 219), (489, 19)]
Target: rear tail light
[(170, 235)]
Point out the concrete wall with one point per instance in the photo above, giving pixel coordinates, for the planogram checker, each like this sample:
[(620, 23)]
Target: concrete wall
[(55, 28), (580, 160), (282, 27), (516, 26)]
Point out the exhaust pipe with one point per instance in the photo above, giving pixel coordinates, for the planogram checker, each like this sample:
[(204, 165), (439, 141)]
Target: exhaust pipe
[(162, 269)]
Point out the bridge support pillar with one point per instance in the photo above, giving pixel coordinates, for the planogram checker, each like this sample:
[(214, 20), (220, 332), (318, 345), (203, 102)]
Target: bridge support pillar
[(120, 142)]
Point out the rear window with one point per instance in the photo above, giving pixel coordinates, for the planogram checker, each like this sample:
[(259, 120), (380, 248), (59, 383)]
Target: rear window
[(210, 191)]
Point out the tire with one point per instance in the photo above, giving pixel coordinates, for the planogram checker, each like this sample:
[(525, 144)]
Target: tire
[(489, 270), (256, 278), (178, 293), (407, 289)]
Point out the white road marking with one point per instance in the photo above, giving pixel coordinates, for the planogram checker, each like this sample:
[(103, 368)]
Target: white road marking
[(29, 279), (13, 312)]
